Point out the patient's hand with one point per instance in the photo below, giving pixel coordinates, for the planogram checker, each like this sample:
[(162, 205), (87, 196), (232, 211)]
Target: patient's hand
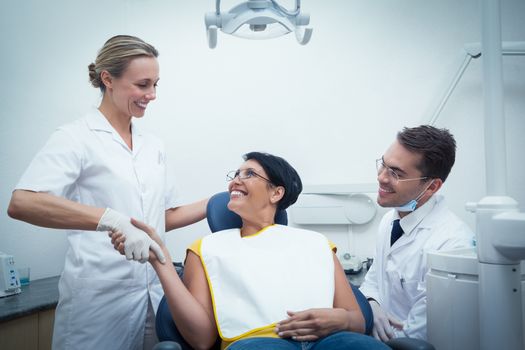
[(118, 238), (312, 324), (148, 229)]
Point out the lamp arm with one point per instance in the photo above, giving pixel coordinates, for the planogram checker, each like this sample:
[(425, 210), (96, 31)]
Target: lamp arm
[(286, 11), (457, 77), (473, 50), (218, 7)]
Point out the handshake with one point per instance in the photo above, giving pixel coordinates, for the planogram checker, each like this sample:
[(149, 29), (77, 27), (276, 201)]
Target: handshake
[(137, 241)]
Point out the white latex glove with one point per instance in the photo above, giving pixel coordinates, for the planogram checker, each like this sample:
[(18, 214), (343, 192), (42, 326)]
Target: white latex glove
[(383, 323), (137, 244)]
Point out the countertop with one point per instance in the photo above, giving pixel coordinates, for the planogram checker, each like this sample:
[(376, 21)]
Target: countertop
[(39, 295)]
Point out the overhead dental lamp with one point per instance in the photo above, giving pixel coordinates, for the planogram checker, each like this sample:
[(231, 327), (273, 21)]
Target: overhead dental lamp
[(258, 19)]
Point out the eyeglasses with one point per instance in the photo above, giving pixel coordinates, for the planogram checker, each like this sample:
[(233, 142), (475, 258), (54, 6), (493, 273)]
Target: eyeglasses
[(244, 174), (380, 166)]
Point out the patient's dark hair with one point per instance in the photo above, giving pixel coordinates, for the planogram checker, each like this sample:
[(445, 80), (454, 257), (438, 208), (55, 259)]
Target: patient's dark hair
[(280, 173), (437, 147)]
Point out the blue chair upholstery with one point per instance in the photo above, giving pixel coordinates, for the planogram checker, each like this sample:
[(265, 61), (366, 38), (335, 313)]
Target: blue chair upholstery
[(221, 218), (164, 325), (366, 309)]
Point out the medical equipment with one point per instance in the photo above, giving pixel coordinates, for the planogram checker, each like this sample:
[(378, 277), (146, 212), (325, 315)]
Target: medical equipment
[(9, 281), (452, 307), (351, 263), (258, 19), (499, 224)]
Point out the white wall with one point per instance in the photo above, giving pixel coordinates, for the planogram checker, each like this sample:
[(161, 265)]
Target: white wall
[(330, 107)]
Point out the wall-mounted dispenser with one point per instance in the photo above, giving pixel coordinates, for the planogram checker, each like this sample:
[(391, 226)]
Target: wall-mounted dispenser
[(347, 214), (335, 205)]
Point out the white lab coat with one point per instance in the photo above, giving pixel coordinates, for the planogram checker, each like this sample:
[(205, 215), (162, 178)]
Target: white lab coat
[(103, 298), (397, 277)]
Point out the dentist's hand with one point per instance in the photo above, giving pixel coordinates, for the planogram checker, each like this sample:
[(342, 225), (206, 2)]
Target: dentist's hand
[(383, 323), (137, 242), (118, 240)]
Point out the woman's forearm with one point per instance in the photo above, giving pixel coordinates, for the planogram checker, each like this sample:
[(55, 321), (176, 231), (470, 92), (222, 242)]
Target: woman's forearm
[(344, 298), (46, 210), (356, 321), (194, 323)]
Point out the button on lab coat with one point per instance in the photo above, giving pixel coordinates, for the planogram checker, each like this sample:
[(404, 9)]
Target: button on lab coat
[(103, 298), (397, 277)]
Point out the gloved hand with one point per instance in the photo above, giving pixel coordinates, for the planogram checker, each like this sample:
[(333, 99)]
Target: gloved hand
[(383, 323), (137, 243)]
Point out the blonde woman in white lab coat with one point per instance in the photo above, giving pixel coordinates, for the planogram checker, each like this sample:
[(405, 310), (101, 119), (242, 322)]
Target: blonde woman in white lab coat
[(94, 174)]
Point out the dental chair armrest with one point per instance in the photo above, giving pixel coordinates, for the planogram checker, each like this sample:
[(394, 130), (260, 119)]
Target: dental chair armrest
[(409, 344), (366, 310)]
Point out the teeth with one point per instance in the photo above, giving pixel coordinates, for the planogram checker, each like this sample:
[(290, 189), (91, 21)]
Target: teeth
[(236, 194), (141, 105), (385, 190)]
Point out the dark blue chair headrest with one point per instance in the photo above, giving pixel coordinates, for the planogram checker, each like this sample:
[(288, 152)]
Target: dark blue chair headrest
[(221, 218)]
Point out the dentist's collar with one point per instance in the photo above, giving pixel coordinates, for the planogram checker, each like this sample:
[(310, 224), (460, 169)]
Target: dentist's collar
[(412, 220)]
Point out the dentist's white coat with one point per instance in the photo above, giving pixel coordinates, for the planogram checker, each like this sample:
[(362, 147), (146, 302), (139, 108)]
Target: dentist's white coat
[(397, 277), (103, 297)]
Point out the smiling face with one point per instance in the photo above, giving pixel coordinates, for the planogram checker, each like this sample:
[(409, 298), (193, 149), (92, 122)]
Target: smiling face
[(131, 93), (253, 197), (404, 162)]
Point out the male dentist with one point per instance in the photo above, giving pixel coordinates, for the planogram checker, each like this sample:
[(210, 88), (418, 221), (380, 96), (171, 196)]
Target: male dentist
[(410, 173)]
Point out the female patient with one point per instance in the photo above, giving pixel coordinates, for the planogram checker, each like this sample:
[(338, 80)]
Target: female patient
[(247, 285)]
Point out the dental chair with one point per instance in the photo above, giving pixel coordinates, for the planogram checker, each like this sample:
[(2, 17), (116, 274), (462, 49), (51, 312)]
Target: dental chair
[(221, 218)]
